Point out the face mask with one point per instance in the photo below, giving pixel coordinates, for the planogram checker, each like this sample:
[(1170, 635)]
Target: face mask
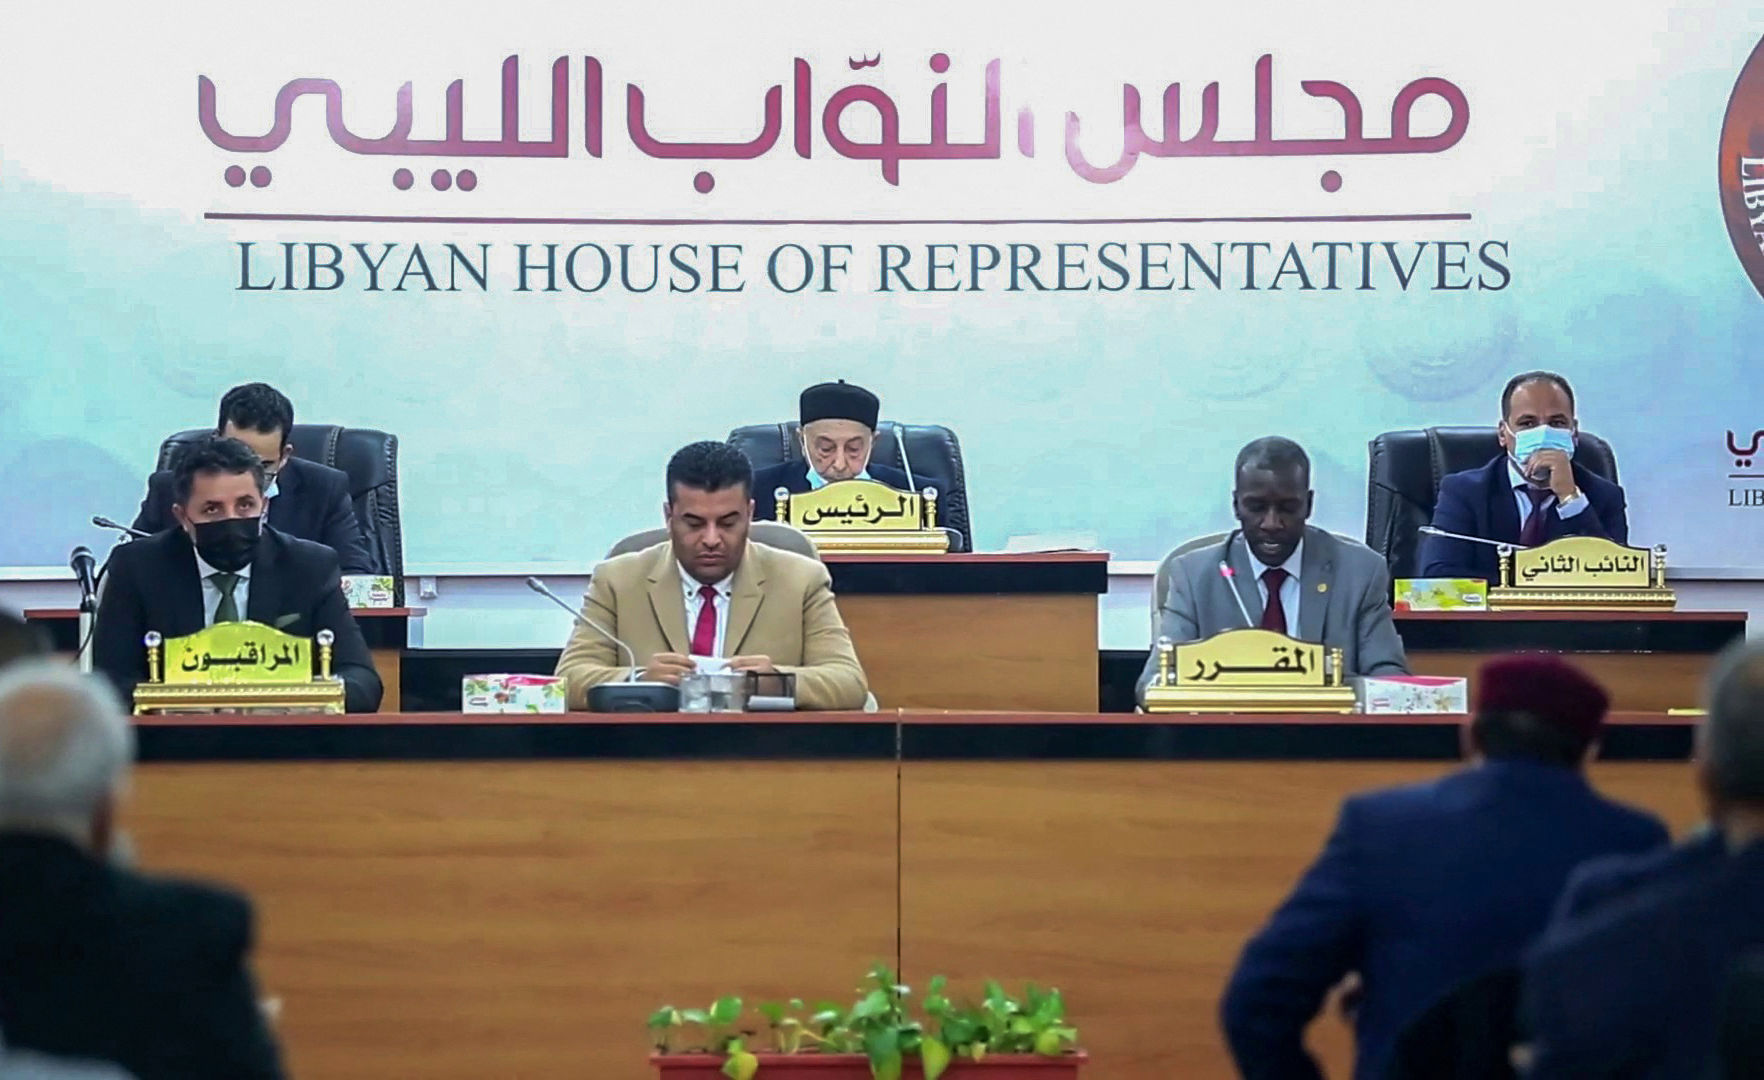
[(228, 545), (1543, 437), (270, 490)]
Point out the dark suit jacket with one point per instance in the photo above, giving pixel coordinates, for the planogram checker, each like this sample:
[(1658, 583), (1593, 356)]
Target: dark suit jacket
[(1418, 890), (1633, 990), (312, 503), (101, 963), (1608, 879), (1480, 502), (793, 477), (152, 584)]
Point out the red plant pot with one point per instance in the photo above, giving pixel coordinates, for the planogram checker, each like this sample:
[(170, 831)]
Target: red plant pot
[(857, 1067)]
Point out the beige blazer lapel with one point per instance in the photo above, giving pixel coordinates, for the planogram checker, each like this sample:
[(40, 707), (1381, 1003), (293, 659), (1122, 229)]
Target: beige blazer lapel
[(668, 600), (745, 597)]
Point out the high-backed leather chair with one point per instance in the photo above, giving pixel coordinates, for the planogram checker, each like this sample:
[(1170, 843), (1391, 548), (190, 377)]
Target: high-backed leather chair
[(1404, 474), (931, 449), (770, 533), (370, 459)]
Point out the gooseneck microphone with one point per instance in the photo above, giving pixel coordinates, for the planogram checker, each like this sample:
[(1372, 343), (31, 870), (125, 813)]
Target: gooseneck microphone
[(1431, 531), (132, 534), (1230, 577), (628, 694), (539, 587)]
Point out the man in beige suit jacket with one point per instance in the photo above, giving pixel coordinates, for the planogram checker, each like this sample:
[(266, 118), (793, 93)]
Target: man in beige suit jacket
[(708, 592)]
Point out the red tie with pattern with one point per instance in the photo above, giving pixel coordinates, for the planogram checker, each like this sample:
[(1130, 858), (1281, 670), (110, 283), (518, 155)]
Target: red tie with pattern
[(704, 634), (1274, 612), (1532, 533)]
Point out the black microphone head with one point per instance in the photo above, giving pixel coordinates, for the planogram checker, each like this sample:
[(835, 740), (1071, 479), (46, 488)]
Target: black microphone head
[(81, 552), (536, 585)]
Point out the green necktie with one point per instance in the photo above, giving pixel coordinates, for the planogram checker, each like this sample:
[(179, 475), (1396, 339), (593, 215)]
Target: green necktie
[(228, 610)]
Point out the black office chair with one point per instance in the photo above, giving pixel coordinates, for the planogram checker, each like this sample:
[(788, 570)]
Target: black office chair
[(1404, 474), (931, 449), (1742, 1020), (370, 459), (1469, 1034)]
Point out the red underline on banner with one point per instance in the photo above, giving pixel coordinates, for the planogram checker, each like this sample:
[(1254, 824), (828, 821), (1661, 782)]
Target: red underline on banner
[(415, 219)]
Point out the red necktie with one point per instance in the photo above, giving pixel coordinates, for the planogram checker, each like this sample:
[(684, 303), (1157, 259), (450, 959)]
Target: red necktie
[(704, 634), (1274, 612), (1533, 532)]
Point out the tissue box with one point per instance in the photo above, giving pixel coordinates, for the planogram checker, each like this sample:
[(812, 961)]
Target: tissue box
[(1441, 594), (366, 591), (1397, 694), (513, 694)]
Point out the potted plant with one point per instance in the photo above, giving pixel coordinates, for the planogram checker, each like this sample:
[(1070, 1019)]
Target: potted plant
[(1001, 1037)]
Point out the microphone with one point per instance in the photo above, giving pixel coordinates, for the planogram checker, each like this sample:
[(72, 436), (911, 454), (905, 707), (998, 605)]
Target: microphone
[(1431, 531), (627, 695), (133, 534), (539, 587), (906, 463), (85, 569), (1230, 577)]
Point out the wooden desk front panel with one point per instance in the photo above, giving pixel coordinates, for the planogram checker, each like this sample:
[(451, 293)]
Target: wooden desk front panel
[(1637, 682), (1133, 886), (1029, 652), (477, 919)]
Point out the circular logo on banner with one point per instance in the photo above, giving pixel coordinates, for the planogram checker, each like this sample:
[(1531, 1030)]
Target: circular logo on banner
[(1742, 168)]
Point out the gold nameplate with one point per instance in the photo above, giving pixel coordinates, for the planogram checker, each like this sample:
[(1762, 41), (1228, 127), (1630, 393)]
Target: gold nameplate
[(1582, 573), (236, 652), (1256, 671), (238, 667), (865, 517)]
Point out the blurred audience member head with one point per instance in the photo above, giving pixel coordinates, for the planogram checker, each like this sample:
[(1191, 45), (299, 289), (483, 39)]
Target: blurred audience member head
[(1536, 708), (1730, 743), (65, 749), (19, 640)]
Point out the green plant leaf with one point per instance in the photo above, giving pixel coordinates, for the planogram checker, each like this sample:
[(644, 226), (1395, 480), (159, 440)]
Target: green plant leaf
[(937, 984), (665, 1017), (882, 1047), (1047, 1044), (874, 1004), (934, 1056), (725, 1011), (796, 1004), (773, 1012), (741, 1066), (695, 1016)]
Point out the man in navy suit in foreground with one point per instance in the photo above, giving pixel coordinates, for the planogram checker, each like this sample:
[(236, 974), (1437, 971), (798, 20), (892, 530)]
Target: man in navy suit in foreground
[(1532, 494), (1629, 983), (1422, 888)]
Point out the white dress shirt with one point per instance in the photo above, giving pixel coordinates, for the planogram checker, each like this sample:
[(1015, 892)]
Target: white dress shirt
[(1566, 510), (211, 593), (694, 602), (1289, 589)]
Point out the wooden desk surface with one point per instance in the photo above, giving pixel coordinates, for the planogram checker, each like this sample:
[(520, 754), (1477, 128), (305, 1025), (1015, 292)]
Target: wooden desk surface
[(49, 614), (466, 917)]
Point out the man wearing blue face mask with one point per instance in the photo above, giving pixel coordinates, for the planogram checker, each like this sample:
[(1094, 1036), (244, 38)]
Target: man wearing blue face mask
[(220, 563), (1532, 494)]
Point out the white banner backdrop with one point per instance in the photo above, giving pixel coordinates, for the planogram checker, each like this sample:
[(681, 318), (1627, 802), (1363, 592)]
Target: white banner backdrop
[(1317, 222)]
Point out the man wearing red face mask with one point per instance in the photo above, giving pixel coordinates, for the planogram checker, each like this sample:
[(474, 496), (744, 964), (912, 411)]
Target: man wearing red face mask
[(221, 564)]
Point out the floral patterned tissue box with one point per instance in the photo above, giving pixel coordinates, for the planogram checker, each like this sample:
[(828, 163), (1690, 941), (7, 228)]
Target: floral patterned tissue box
[(513, 694), (1410, 694), (367, 591)]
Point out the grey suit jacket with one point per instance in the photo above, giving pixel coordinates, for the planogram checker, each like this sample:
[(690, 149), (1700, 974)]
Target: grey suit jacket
[(1344, 601)]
